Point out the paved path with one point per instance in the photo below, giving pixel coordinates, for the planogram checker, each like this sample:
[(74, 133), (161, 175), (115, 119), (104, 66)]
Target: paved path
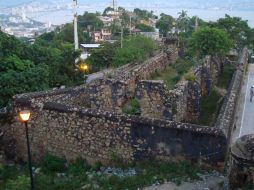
[(245, 109)]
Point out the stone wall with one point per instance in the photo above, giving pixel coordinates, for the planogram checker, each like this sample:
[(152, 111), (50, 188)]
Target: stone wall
[(193, 102), (241, 171), (113, 91), (153, 99), (226, 115), (71, 132), (179, 101), (204, 78)]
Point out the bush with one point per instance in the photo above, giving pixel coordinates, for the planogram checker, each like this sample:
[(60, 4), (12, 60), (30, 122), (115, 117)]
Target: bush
[(132, 107), (52, 163), (190, 76), (135, 48), (21, 183), (80, 166), (210, 105)]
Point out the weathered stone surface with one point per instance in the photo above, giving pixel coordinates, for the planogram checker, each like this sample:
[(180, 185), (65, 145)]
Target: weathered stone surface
[(154, 99), (226, 115), (86, 121), (71, 132), (242, 168)]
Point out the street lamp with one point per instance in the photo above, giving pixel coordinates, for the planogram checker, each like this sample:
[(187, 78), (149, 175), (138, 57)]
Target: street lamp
[(25, 115), (83, 67)]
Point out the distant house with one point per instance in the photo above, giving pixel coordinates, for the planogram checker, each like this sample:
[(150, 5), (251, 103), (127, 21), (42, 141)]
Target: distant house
[(154, 35), (101, 36), (86, 50), (96, 36), (114, 14), (135, 31)]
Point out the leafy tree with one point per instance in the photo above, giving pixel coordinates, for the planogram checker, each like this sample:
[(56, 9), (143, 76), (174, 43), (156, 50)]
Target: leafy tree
[(106, 10), (209, 41), (143, 14), (103, 57), (182, 21), (135, 48), (145, 28), (26, 68), (90, 21), (15, 82), (165, 24), (238, 30)]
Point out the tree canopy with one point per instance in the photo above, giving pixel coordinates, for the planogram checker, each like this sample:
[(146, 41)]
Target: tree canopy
[(238, 30), (209, 41), (165, 23), (26, 68)]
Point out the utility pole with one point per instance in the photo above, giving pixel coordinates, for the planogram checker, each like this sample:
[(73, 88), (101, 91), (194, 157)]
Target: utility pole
[(75, 23), (130, 24), (196, 23), (121, 36), (114, 5)]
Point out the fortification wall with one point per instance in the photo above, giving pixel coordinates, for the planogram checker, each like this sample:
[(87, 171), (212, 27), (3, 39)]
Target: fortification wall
[(71, 132), (226, 115), (154, 99)]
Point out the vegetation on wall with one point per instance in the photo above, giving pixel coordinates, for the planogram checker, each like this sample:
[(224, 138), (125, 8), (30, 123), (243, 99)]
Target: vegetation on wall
[(135, 48), (173, 73), (132, 107)]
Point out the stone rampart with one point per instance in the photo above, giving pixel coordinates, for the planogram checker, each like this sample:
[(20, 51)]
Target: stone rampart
[(226, 115), (154, 99), (71, 132)]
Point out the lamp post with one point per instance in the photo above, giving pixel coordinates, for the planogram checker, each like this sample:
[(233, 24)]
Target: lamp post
[(25, 115)]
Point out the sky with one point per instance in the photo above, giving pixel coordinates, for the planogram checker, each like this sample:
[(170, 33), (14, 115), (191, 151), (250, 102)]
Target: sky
[(209, 10), (227, 4)]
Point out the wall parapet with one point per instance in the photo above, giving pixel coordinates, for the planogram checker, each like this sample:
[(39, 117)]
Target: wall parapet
[(226, 115)]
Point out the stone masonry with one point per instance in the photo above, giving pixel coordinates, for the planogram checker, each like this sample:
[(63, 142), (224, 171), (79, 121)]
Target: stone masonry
[(87, 121)]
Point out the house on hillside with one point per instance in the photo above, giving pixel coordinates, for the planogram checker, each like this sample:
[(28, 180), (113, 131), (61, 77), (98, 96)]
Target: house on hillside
[(154, 35), (101, 36)]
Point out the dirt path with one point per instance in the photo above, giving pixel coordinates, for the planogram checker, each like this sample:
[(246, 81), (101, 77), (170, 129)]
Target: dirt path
[(213, 181)]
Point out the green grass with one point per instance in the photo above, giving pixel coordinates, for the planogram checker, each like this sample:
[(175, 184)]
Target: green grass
[(80, 174), (169, 76), (225, 78), (173, 73), (210, 106), (132, 107)]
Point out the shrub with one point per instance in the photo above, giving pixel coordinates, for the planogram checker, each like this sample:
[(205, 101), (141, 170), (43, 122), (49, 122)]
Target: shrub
[(78, 167), (52, 163), (21, 183), (190, 76), (135, 48), (132, 107)]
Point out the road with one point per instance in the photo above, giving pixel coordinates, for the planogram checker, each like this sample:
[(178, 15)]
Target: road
[(245, 110)]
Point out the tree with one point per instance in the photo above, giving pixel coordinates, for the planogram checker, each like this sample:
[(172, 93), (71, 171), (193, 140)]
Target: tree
[(106, 10), (145, 28), (209, 41), (165, 24), (143, 14), (90, 21), (238, 30), (103, 56), (182, 21)]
